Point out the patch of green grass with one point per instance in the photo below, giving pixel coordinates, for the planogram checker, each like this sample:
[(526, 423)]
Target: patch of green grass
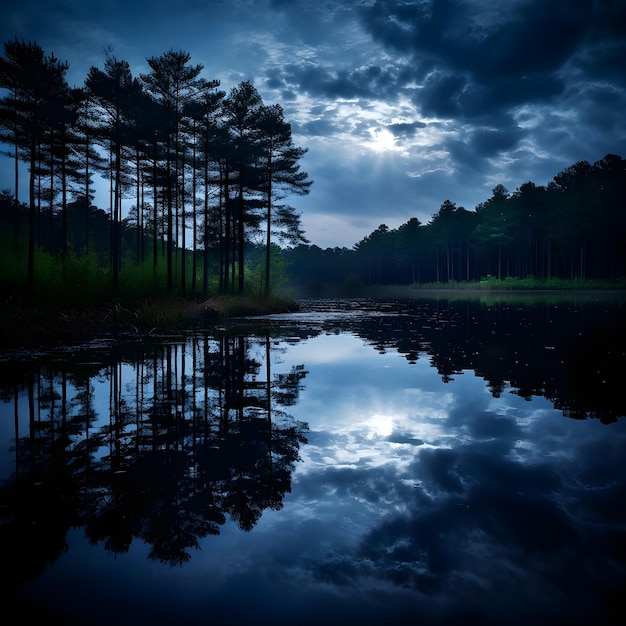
[(513, 283), (552, 283)]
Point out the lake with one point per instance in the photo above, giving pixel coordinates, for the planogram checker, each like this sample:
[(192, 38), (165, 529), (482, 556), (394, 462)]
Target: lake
[(447, 460)]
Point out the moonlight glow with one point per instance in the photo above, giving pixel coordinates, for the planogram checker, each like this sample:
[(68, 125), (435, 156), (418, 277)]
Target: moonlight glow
[(382, 140), (401, 104)]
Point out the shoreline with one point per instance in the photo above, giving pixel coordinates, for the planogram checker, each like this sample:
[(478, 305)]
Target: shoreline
[(24, 326)]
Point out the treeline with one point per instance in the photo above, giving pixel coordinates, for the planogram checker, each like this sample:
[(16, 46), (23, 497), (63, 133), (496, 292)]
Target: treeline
[(208, 171), (573, 228)]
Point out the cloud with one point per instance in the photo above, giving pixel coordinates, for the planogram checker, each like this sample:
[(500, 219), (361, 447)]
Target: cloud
[(322, 80), (405, 129), (478, 526), (400, 436), (487, 519), (481, 41), (474, 94), (474, 62)]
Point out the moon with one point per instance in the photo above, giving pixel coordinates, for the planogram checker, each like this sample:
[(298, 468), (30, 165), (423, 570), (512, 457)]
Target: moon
[(382, 140)]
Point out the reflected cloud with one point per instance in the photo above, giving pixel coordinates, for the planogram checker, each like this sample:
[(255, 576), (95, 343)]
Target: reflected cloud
[(477, 497), (464, 523), (426, 486)]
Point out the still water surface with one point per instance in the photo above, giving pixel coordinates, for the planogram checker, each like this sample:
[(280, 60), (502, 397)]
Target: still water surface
[(440, 461)]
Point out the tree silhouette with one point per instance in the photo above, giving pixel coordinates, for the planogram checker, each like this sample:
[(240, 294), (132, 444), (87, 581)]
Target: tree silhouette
[(174, 83), (35, 82), (280, 174), (222, 167), (573, 228), (115, 89), (159, 465), (242, 110)]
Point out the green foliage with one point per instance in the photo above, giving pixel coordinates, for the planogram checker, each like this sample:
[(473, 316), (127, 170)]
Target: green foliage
[(73, 280), (530, 283), (135, 132), (12, 259), (137, 281), (550, 284), (255, 279), (76, 279)]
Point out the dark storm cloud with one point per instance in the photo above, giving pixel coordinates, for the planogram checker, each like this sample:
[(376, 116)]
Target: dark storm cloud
[(405, 129), (602, 110), (467, 161), (373, 81), (448, 95), (470, 150), (475, 92), (488, 141), (472, 61), (404, 437)]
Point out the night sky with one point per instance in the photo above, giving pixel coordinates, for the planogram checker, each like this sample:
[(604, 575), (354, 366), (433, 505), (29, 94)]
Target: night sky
[(402, 104)]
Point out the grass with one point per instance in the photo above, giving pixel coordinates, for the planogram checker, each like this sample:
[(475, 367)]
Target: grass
[(530, 283), (72, 300), (27, 325), (552, 283), (490, 290)]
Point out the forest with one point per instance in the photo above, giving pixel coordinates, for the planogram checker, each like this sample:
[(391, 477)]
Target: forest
[(209, 174), (573, 229)]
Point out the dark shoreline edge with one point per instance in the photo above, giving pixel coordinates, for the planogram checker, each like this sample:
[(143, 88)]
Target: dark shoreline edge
[(36, 326), (24, 326)]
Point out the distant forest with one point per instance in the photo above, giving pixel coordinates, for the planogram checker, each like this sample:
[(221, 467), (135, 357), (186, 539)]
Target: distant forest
[(573, 228), (209, 174)]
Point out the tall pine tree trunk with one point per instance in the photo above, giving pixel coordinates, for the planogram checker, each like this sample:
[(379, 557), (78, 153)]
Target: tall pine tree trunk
[(268, 241), (240, 237)]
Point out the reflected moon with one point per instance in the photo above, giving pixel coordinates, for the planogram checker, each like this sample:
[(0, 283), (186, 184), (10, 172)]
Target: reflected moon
[(380, 425)]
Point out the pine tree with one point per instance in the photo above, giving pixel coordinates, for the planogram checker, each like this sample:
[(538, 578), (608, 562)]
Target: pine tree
[(242, 110), (33, 80), (173, 83), (115, 89), (280, 175)]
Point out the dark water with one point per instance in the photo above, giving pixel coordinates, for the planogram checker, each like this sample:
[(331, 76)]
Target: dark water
[(422, 462)]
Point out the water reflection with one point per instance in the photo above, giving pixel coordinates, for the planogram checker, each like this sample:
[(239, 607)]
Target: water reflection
[(158, 443), (572, 352), (397, 462)]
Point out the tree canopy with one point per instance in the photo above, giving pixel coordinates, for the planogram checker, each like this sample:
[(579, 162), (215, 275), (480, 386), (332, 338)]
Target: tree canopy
[(572, 228), (210, 174), (169, 139)]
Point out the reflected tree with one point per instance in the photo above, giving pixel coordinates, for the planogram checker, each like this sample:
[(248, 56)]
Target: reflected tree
[(192, 434)]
